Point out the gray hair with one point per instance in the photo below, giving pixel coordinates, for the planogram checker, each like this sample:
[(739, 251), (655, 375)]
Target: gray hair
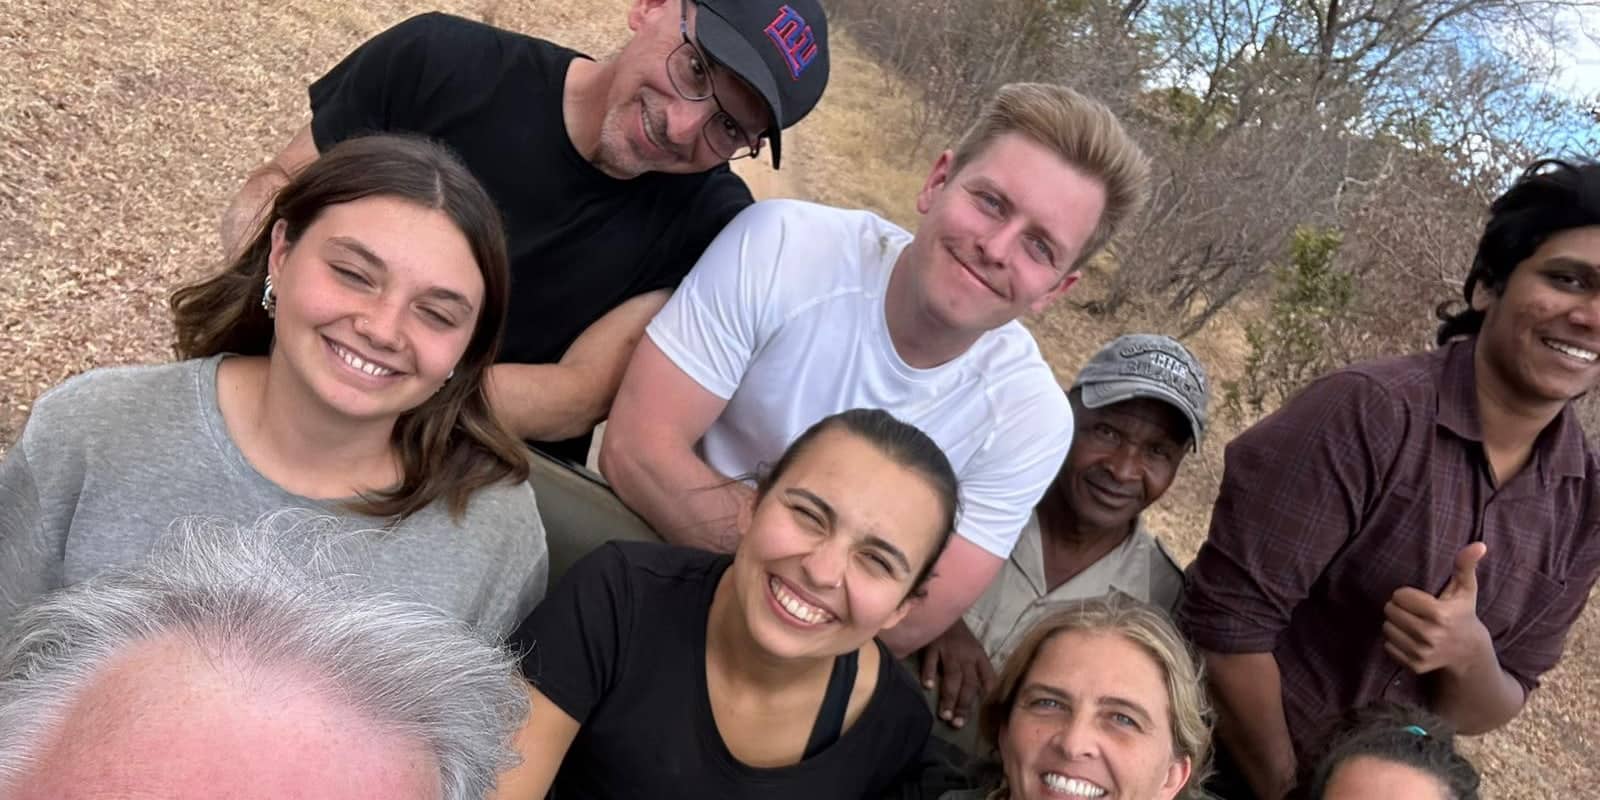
[(265, 596)]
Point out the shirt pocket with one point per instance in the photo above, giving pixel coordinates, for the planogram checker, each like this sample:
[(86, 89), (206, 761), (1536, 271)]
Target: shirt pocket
[(1513, 601)]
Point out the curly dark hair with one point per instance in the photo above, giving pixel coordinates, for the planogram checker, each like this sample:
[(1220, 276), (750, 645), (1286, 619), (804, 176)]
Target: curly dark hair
[(1399, 734)]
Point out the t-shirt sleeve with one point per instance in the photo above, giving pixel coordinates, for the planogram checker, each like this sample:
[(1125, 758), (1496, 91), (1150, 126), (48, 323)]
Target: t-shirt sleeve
[(27, 570), (718, 318), (1279, 521), (719, 199), (41, 477), (577, 636), (392, 80), (1006, 478)]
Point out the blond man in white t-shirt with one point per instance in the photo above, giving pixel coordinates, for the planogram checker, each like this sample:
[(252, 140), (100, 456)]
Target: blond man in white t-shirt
[(798, 311)]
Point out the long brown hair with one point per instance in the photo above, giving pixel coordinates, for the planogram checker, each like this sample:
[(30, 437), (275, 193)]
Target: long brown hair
[(449, 446)]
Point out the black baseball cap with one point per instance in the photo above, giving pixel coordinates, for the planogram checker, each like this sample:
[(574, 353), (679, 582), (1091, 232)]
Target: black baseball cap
[(779, 47)]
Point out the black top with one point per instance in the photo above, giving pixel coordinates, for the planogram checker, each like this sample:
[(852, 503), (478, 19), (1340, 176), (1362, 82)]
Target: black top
[(580, 241), (620, 646), (835, 704)]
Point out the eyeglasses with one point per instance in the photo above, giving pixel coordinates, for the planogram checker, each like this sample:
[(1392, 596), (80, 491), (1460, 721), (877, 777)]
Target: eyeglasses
[(690, 73)]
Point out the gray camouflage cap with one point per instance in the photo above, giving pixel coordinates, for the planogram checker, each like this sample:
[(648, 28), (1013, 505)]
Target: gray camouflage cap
[(1146, 365)]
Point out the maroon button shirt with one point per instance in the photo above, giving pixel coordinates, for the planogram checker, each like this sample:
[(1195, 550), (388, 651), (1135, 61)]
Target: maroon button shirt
[(1371, 479)]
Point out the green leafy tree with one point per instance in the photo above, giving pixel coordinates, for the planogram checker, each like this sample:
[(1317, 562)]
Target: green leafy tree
[(1295, 341)]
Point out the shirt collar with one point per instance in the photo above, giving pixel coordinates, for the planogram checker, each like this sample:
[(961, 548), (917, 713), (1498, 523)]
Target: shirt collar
[(1458, 395), (1028, 555), (1559, 450)]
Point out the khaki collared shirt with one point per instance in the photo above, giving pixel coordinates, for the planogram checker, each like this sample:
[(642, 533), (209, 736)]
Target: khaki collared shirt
[(1139, 567)]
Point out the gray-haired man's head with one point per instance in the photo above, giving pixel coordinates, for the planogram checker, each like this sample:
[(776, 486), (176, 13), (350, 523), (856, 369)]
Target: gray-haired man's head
[(232, 665)]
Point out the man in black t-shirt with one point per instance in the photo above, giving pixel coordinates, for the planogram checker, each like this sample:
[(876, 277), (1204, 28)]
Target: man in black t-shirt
[(611, 175)]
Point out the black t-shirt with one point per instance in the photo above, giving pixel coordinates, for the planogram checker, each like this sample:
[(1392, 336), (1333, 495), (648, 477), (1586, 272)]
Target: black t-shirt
[(620, 646), (581, 242)]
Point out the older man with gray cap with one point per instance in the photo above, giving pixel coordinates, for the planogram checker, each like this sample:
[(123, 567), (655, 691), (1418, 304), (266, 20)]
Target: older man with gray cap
[(1139, 406)]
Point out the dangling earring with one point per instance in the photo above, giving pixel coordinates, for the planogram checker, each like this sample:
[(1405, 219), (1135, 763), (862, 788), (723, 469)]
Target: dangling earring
[(269, 303), (448, 377)]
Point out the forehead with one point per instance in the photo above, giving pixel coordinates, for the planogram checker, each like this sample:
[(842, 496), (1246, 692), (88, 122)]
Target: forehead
[(868, 490), (1089, 665), (417, 244), (1061, 198), (1575, 244), (1362, 777), (164, 720)]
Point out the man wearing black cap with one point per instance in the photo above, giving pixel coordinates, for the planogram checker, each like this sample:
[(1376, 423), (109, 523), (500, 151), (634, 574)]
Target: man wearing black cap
[(612, 175), (1139, 406)]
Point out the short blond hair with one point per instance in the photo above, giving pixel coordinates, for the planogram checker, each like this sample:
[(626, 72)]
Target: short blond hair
[(1146, 627), (1083, 132)]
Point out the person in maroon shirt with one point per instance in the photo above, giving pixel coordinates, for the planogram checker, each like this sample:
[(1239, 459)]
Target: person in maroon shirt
[(1421, 529)]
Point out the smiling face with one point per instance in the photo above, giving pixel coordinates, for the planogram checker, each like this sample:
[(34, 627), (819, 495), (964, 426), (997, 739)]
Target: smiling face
[(1091, 719), (648, 126), (1123, 458), (833, 547), (376, 303), (1000, 237), (1541, 332)]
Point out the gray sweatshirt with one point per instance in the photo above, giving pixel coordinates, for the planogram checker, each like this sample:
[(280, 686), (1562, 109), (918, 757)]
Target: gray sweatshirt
[(110, 459)]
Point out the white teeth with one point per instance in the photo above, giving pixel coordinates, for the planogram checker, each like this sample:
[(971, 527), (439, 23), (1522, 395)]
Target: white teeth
[(1075, 787), (797, 608), (1575, 352), (362, 364)]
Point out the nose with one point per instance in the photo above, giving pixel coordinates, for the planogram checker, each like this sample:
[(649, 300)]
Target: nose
[(995, 244), (685, 119), (1076, 738), (824, 566), (1586, 313), (1123, 464), (380, 326)]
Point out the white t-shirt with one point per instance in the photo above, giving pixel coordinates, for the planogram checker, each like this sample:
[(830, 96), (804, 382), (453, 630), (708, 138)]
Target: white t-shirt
[(783, 317)]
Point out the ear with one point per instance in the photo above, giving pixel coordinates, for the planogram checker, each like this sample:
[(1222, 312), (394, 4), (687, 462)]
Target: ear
[(1056, 291), (280, 249), (937, 178), (1483, 297), (641, 11), (900, 612), (747, 512), (1177, 775)]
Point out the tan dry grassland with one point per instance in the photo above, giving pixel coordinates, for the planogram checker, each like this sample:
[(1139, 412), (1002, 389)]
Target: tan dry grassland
[(125, 127)]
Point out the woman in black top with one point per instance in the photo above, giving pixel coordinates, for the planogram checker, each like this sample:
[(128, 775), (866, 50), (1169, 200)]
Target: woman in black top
[(668, 672)]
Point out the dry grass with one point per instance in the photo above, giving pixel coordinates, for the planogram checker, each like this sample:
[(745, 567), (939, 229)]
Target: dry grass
[(125, 128)]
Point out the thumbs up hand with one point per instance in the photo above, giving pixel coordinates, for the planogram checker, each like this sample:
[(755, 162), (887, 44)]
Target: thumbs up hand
[(1426, 633)]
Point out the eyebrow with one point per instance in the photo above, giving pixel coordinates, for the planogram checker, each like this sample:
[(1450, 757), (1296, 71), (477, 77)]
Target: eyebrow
[(871, 540), (365, 253), (1573, 262)]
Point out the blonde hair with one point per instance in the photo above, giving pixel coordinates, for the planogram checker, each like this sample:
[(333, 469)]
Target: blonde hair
[(1083, 132), (1144, 626)]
